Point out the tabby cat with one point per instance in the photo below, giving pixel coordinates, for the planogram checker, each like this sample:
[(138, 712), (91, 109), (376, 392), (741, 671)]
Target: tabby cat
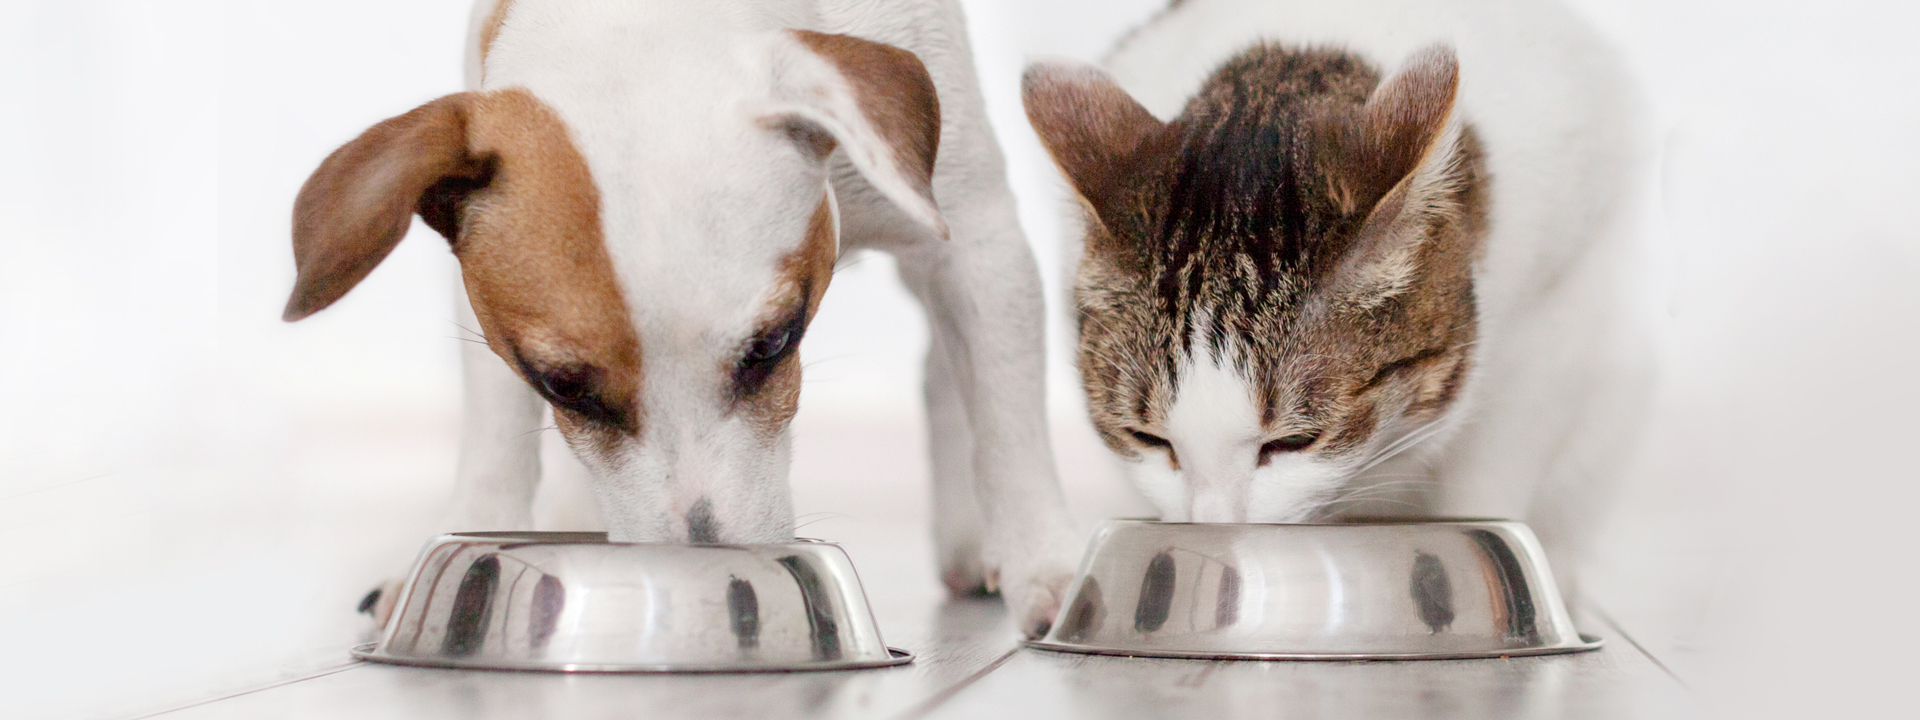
[(1309, 289)]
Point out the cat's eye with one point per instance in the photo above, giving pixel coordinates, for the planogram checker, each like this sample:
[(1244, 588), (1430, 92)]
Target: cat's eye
[(1150, 440), (1290, 443)]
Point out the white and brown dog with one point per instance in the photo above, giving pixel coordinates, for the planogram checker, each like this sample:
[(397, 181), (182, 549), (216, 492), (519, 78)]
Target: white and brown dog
[(647, 199)]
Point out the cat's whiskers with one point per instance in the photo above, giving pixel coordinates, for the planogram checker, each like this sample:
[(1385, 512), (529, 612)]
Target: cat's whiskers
[(1401, 445), (1369, 489), (1382, 493)]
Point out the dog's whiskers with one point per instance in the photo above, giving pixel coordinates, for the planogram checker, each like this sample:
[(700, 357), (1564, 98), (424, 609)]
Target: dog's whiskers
[(820, 517), (472, 331), (539, 430)]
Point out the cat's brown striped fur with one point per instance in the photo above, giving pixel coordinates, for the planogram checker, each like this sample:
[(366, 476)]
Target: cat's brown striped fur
[(1299, 221)]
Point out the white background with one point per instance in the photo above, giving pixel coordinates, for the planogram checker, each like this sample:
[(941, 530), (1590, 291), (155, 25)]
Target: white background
[(192, 493)]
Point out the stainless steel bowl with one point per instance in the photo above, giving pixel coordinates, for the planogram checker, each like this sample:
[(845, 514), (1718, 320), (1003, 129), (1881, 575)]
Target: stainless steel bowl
[(574, 602), (1352, 591)]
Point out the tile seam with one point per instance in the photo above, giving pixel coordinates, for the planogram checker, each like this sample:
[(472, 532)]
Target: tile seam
[(334, 670), (921, 709), (1644, 652)]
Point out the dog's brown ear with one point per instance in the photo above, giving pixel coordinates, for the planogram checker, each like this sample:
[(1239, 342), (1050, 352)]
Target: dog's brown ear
[(877, 102), (357, 205), (1093, 129)]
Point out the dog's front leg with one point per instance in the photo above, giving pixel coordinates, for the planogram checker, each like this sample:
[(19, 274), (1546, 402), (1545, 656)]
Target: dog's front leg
[(982, 293), (957, 525)]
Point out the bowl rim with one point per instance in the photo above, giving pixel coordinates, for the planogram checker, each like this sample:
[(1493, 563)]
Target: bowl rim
[(581, 537), (1363, 521), (370, 652), (1587, 642)]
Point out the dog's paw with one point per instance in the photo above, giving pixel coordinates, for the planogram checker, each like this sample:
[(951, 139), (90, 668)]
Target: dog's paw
[(378, 604), (1032, 578)]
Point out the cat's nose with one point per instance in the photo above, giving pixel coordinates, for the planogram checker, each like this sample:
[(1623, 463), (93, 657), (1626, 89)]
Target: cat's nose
[(1212, 506)]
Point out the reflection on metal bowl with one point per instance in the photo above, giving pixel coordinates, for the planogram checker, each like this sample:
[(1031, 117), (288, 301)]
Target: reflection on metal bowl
[(574, 602), (1350, 591)]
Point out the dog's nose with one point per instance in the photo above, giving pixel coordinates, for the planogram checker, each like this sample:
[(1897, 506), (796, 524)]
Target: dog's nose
[(701, 525)]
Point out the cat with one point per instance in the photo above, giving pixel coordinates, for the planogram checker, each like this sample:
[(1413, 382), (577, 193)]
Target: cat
[(1311, 290)]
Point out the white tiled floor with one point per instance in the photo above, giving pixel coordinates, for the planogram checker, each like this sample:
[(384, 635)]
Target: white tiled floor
[(969, 668), (968, 662)]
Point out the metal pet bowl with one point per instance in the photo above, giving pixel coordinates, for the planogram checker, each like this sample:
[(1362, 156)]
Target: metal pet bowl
[(573, 602), (1351, 591)]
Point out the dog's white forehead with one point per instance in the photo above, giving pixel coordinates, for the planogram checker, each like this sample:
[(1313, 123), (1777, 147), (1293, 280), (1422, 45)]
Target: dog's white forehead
[(700, 197)]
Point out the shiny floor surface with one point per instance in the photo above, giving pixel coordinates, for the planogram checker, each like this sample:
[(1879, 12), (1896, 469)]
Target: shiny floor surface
[(968, 667)]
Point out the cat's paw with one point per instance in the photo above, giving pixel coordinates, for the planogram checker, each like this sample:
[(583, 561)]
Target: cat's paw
[(963, 572), (378, 604), (1032, 577)]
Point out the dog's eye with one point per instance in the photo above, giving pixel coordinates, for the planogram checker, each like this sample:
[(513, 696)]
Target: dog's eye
[(770, 347), (570, 383), (1291, 443), (575, 388), (765, 352)]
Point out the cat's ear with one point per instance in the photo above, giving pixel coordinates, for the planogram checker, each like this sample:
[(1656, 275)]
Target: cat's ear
[(1369, 150), (1393, 159), (1094, 130)]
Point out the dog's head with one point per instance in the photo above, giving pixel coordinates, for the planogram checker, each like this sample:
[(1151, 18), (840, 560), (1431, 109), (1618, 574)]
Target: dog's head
[(644, 237)]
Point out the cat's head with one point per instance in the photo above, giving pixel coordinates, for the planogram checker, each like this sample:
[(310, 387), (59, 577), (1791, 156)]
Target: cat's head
[(1277, 285)]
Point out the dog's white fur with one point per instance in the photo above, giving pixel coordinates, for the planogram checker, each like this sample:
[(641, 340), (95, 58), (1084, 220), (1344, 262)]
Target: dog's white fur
[(1561, 368), (666, 99)]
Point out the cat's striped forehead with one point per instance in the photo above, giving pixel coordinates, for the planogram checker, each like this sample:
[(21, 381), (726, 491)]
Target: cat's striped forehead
[(1243, 217), (1251, 240)]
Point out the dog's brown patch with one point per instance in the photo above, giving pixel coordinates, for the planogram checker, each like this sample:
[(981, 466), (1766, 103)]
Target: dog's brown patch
[(896, 95), (356, 206), (496, 173), (811, 266), (490, 28), (803, 278), (535, 261)]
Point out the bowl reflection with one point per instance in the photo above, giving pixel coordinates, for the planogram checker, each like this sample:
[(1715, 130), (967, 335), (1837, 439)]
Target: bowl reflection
[(575, 602), (1389, 590)]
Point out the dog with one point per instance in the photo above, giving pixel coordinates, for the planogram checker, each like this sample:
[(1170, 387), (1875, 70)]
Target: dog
[(647, 200)]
